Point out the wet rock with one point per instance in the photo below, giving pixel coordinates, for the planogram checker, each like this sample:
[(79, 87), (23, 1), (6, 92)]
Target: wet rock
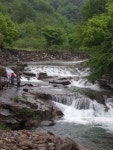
[(42, 76), (26, 108), (57, 113), (5, 112), (43, 96), (104, 84), (17, 69), (29, 84), (29, 73), (47, 123), (25, 89), (60, 82), (95, 95), (10, 122)]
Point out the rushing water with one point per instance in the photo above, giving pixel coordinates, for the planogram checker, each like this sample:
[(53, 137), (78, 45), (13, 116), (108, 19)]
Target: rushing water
[(85, 120)]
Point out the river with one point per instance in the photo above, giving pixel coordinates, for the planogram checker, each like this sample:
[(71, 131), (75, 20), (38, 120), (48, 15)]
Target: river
[(86, 119)]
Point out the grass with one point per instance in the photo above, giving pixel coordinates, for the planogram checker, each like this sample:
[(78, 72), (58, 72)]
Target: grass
[(24, 96), (15, 99)]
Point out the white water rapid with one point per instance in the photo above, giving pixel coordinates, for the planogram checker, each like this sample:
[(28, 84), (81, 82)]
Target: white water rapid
[(77, 108), (95, 115)]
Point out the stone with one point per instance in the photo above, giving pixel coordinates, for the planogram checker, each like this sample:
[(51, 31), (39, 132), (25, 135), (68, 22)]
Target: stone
[(25, 89), (42, 76), (47, 123), (42, 148), (29, 73)]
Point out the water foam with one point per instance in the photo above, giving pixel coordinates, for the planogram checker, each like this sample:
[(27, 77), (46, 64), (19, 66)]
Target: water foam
[(95, 115)]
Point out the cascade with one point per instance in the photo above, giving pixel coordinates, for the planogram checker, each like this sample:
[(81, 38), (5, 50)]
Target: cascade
[(63, 99), (83, 110), (78, 105)]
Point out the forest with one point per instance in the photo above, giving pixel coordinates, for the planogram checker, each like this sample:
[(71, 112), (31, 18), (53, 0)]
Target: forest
[(24, 23), (68, 25)]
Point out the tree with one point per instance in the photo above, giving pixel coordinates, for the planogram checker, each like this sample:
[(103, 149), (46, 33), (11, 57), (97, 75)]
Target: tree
[(76, 37), (53, 36), (8, 32), (30, 16), (95, 36), (96, 31), (98, 40), (92, 8)]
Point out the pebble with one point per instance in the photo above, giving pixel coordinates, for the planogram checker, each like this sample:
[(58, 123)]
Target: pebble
[(24, 140)]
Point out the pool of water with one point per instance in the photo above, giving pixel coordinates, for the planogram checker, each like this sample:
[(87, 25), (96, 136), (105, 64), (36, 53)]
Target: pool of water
[(92, 137)]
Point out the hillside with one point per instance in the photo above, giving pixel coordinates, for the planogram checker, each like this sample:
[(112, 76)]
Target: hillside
[(30, 17)]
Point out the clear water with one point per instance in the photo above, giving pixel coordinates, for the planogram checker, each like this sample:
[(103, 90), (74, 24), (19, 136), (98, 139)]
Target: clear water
[(92, 137)]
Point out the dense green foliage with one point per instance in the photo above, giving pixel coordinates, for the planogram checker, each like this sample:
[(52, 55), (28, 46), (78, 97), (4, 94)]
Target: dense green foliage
[(8, 32), (94, 35), (93, 7), (54, 36), (29, 18), (71, 9)]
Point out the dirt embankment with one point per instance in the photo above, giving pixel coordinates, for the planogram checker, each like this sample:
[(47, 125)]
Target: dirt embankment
[(12, 56)]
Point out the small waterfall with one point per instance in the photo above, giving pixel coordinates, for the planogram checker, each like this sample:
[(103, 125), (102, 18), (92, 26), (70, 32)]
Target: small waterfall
[(83, 110), (63, 99), (77, 101), (82, 103)]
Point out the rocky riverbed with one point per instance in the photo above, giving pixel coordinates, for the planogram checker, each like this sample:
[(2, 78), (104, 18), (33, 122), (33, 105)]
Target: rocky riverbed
[(26, 140), (28, 108)]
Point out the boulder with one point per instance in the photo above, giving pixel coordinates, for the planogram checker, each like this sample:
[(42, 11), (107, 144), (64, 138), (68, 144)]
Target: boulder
[(27, 110), (42, 76), (63, 82), (104, 84), (29, 73), (43, 96)]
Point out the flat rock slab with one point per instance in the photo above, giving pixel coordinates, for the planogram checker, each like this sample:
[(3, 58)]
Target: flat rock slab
[(47, 123), (5, 112)]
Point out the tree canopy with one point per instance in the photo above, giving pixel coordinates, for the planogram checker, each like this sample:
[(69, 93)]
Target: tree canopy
[(30, 17), (54, 36), (96, 38), (92, 8), (8, 32), (71, 9)]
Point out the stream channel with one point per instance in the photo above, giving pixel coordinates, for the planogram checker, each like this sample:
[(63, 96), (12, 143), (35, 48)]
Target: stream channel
[(88, 109)]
